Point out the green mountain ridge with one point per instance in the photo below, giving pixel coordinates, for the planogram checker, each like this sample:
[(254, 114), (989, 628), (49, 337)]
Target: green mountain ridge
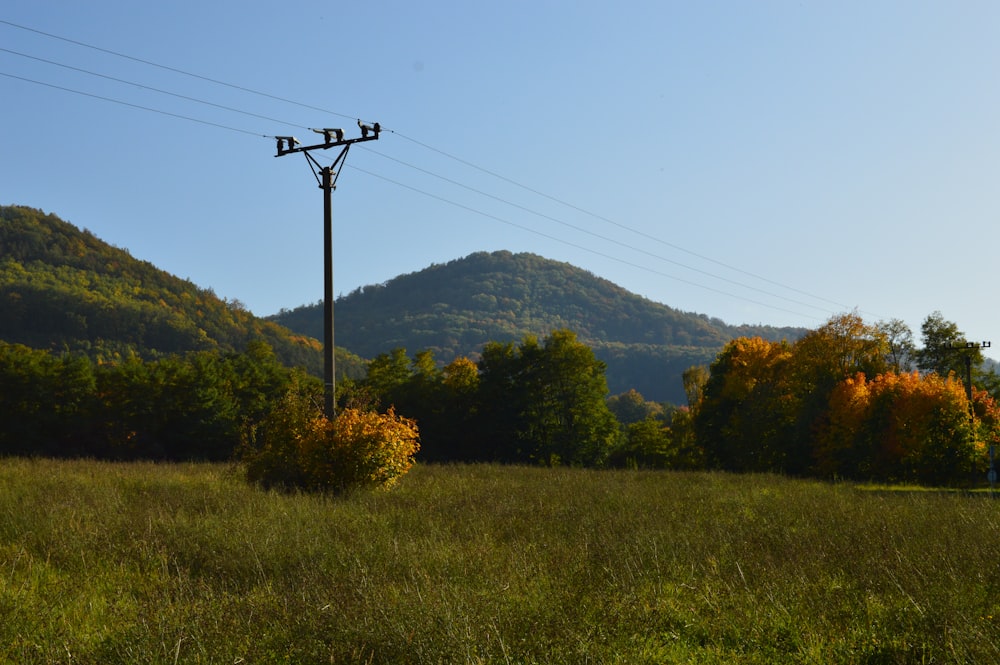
[(454, 308), (63, 289)]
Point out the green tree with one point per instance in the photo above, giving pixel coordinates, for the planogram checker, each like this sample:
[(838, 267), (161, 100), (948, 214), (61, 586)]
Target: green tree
[(186, 407), (900, 349), (647, 444), (631, 407), (546, 403), (258, 378), (572, 423), (45, 402), (173, 408), (451, 438), (501, 405), (685, 451), (388, 374)]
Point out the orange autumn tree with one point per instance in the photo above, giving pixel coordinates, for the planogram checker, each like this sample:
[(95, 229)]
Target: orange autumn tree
[(987, 412), (836, 351), (839, 449), (908, 427), (812, 408)]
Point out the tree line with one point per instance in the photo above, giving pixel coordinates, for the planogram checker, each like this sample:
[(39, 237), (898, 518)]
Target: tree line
[(180, 407), (849, 399), (546, 402), (536, 402)]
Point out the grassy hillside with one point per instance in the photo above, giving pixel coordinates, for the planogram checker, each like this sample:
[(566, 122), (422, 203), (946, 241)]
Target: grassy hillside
[(62, 288), (113, 563), (455, 308)]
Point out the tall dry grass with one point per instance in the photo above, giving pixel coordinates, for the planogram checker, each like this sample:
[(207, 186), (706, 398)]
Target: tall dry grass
[(144, 563)]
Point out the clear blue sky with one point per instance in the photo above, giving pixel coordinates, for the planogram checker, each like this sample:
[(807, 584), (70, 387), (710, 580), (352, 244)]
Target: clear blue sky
[(759, 162)]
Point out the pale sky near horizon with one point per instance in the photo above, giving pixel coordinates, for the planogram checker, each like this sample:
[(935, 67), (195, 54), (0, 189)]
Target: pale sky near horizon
[(760, 162)]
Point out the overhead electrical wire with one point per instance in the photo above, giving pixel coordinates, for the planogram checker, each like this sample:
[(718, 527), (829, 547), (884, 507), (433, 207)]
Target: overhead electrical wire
[(171, 69), (437, 197), (445, 200), (150, 88), (419, 143), (425, 146), (136, 106)]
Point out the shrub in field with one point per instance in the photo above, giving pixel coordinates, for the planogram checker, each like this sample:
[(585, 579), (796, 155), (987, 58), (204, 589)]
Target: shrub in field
[(358, 448), (297, 446)]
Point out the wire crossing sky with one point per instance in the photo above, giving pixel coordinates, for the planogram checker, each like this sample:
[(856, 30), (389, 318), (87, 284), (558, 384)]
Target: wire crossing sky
[(756, 162)]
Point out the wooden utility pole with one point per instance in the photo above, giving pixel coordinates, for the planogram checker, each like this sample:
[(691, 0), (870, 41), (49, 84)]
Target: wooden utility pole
[(326, 177)]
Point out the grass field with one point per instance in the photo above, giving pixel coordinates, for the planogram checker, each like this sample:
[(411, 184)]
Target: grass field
[(143, 563)]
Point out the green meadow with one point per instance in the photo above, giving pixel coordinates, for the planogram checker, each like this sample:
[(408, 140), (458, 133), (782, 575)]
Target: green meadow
[(146, 563)]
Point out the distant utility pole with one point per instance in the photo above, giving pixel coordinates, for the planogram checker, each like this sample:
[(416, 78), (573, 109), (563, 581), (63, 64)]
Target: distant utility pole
[(326, 176), (991, 475), (967, 346)]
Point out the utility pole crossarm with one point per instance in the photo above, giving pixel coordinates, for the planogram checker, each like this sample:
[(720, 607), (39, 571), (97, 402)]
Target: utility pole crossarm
[(288, 145), (966, 345)]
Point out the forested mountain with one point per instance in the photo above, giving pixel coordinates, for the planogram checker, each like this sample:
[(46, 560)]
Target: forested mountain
[(453, 309), (64, 289)]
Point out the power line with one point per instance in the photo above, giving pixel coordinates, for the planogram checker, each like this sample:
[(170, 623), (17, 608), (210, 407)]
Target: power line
[(172, 69), (135, 106), (438, 151), (150, 88), (468, 208)]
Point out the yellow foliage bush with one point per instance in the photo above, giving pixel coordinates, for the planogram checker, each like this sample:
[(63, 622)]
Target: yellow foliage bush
[(358, 448), (297, 446)]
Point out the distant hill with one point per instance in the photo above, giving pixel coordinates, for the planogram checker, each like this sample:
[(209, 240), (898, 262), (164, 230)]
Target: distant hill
[(455, 308), (61, 288)]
